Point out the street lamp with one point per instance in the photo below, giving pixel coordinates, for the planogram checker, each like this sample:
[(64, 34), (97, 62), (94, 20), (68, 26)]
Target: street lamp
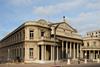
[(85, 58), (55, 28)]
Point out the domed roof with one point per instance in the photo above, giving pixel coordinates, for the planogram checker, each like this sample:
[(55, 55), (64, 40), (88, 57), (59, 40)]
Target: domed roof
[(42, 21)]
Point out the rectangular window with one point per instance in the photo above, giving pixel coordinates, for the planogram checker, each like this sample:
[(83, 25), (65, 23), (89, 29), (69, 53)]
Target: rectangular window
[(42, 34), (31, 34), (87, 44), (94, 43), (31, 53)]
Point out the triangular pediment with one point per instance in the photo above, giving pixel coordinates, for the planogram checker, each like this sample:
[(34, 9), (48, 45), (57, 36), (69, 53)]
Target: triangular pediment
[(66, 26)]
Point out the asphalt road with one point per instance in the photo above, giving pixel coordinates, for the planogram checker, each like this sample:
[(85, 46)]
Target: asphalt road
[(50, 65)]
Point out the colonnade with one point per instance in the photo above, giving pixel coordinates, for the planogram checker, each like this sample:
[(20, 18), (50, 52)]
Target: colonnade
[(72, 49), (14, 52), (61, 51), (91, 54), (65, 50)]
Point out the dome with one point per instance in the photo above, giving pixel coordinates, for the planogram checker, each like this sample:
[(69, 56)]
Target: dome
[(42, 21)]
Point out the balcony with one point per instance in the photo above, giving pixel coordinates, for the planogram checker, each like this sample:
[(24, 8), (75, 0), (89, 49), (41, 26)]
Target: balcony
[(47, 39)]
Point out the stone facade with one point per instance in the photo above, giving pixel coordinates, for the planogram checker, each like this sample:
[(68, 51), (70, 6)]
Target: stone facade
[(42, 41), (91, 47)]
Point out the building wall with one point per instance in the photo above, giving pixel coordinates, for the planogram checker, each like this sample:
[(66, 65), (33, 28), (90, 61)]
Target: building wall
[(27, 39), (92, 39), (37, 32), (33, 43), (91, 45)]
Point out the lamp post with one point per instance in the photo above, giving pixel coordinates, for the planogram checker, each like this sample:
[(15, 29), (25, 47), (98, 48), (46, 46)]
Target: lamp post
[(55, 28), (85, 58)]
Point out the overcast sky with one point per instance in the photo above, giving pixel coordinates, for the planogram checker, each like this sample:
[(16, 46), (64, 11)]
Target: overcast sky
[(83, 15)]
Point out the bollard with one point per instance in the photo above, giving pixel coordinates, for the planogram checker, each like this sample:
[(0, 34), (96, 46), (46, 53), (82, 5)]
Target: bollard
[(85, 61), (68, 62), (98, 60)]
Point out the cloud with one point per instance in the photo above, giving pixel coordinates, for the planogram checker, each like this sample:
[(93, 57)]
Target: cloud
[(88, 21), (20, 2), (57, 8), (94, 5), (66, 6), (87, 17)]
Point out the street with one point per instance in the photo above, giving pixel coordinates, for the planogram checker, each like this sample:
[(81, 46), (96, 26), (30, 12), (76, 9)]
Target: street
[(50, 65)]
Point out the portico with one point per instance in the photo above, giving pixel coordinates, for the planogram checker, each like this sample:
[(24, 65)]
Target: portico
[(49, 52)]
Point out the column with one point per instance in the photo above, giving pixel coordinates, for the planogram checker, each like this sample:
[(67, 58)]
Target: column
[(19, 51), (77, 50), (45, 51), (70, 49), (38, 52), (89, 54), (51, 52), (94, 54), (86, 54), (8, 54), (66, 49), (98, 54), (74, 50), (22, 52), (12, 53), (15, 52), (42, 49), (85, 57), (62, 49), (81, 52), (57, 53), (98, 60)]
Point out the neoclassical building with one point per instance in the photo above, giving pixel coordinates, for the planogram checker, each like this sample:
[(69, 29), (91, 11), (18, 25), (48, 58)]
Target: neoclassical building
[(91, 47), (42, 41)]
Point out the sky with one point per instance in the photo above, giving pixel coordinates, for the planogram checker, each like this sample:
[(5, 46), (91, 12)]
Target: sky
[(83, 15)]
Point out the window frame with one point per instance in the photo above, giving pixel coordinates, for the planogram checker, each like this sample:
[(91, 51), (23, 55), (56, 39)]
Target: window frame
[(31, 34)]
